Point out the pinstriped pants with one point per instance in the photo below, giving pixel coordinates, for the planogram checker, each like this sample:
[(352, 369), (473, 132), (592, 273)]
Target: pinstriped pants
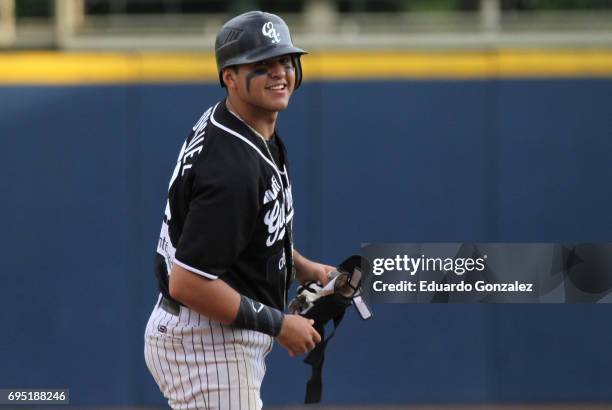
[(205, 365)]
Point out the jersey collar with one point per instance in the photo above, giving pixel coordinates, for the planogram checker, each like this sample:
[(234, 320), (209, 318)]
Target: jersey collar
[(222, 118)]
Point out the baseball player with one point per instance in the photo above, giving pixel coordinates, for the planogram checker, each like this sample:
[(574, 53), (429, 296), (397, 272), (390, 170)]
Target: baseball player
[(225, 254)]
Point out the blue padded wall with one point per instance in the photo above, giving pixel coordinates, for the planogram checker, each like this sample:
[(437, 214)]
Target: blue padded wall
[(85, 173)]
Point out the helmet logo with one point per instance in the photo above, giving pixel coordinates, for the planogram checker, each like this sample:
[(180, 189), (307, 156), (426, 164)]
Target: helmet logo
[(268, 30)]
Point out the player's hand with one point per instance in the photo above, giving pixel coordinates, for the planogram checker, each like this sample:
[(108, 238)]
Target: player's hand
[(314, 271), (322, 272), (298, 335)]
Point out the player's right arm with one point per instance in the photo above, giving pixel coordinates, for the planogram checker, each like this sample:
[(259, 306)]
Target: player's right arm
[(226, 200), (218, 301)]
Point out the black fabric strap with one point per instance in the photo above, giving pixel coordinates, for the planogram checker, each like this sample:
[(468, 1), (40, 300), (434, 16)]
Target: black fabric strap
[(259, 317), (314, 387)]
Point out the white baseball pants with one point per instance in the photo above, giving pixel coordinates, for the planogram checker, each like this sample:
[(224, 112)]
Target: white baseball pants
[(205, 365)]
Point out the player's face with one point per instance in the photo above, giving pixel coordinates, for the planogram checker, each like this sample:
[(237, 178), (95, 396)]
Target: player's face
[(267, 84)]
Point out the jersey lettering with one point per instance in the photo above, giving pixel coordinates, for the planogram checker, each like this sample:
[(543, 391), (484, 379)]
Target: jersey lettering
[(272, 194), (281, 212), (281, 262), (193, 149), (288, 199), (275, 220), (192, 155), (187, 156)]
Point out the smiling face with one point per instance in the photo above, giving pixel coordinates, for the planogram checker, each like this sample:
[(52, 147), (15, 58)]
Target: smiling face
[(265, 85)]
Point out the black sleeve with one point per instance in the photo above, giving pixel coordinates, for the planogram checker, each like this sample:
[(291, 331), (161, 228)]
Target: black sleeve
[(223, 208)]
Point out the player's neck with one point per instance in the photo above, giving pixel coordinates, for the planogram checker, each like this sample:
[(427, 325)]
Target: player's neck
[(262, 121)]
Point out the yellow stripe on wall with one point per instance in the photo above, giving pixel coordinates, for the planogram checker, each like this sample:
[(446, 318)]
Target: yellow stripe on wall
[(383, 65), (461, 65), (104, 68), (112, 68)]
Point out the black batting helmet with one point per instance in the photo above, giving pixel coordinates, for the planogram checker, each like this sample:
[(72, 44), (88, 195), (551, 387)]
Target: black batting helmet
[(252, 37)]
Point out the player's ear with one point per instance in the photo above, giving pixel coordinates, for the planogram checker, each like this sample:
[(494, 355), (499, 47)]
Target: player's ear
[(229, 76)]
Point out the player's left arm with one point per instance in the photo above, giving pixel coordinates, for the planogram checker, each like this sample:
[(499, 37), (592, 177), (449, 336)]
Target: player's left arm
[(307, 270)]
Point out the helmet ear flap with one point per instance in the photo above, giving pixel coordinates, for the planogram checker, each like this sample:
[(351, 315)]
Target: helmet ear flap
[(297, 64)]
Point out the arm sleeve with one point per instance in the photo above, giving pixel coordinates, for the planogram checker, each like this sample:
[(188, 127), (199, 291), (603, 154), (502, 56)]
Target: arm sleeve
[(222, 212)]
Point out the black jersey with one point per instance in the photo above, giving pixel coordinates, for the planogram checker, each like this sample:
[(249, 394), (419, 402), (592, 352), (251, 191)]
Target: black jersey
[(230, 210)]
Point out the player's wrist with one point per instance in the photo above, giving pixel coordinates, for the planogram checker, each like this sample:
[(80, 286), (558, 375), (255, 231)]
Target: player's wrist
[(256, 316)]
